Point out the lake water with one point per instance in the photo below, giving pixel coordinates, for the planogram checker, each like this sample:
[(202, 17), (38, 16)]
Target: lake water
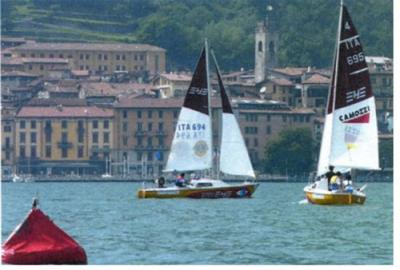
[(115, 227)]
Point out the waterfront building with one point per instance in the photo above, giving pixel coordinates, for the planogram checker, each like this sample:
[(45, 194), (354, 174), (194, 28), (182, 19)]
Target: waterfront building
[(7, 140), (61, 140), (99, 58)]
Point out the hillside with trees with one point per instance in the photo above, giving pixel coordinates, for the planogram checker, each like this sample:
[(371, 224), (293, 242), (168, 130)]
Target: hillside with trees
[(307, 27)]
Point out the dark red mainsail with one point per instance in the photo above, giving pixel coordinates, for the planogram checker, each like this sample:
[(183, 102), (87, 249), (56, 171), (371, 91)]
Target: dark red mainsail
[(37, 240)]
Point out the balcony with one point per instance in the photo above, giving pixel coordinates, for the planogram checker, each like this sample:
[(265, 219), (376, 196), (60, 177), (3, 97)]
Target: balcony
[(140, 133), (64, 145), (161, 133), (7, 147)]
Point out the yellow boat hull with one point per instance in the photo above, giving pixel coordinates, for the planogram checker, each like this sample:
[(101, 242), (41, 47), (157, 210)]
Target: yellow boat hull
[(238, 191), (335, 198)]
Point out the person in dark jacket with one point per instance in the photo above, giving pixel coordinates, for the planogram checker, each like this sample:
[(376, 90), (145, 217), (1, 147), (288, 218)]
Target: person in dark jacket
[(180, 180), (330, 174)]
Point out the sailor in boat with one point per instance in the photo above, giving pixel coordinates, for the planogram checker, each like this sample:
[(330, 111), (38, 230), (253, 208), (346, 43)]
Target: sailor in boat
[(160, 182), (180, 180), (348, 183), (330, 174)]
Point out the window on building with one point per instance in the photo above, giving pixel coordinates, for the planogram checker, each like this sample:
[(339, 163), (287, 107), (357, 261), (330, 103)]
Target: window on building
[(33, 151), (61, 55), (33, 124), (81, 67), (175, 114), (125, 126), (139, 114), (139, 156), (81, 56), (30, 67), (33, 137), (22, 124), (160, 114), (42, 55), (41, 67), (139, 126), (160, 141), (64, 124), (106, 124), (149, 114), (123, 68), (47, 137), (81, 137), (99, 56), (64, 137), (139, 140), (149, 141), (95, 124), (118, 67), (22, 137), (64, 152), (106, 137), (268, 118), (80, 151), (7, 128), (160, 126), (117, 57), (48, 151), (87, 56), (141, 57), (8, 142), (150, 126), (95, 137), (255, 142), (150, 156), (260, 46), (274, 89), (123, 57), (125, 140), (51, 55), (135, 57), (8, 155), (125, 114), (22, 151)]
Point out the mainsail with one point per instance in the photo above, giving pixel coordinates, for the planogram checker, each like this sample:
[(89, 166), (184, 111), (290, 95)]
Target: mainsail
[(351, 120), (234, 158), (191, 145)]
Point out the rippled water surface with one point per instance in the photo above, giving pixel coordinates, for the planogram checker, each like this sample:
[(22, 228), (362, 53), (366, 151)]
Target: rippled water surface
[(115, 227)]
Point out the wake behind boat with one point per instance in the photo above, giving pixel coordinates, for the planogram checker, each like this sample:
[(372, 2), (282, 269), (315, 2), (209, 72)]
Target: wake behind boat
[(192, 145), (350, 137)]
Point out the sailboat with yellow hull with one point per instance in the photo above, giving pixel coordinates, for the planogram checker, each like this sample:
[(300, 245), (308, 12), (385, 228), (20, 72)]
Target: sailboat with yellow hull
[(350, 138)]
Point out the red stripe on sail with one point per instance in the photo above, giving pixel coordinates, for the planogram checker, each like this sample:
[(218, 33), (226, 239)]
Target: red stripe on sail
[(363, 119)]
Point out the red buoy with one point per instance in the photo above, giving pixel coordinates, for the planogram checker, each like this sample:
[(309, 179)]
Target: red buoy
[(37, 240)]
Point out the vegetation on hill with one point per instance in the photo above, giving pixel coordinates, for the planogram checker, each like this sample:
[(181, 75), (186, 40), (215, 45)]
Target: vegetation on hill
[(307, 27)]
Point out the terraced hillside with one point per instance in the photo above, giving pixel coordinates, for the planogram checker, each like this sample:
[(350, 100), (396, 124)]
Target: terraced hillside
[(307, 28)]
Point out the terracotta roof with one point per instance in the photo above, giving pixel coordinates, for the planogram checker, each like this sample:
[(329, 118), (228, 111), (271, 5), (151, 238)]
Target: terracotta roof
[(64, 112), (291, 71), (11, 61), (113, 89), (176, 77), (317, 79), (77, 72), (89, 47), (77, 102), (157, 103), (45, 60), (18, 74), (281, 82)]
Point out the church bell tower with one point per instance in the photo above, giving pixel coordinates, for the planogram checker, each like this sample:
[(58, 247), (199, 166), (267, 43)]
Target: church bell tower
[(266, 39)]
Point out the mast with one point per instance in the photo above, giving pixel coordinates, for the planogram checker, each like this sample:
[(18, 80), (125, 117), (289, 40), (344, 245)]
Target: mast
[(220, 124), (209, 106)]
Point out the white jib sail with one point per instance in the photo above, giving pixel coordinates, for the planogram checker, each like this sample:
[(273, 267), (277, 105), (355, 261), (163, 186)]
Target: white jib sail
[(234, 158), (191, 146), (355, 136), (323, 162)]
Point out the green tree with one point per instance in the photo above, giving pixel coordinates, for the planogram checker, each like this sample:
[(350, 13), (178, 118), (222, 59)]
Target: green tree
[(292, 152), (386, 154)]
